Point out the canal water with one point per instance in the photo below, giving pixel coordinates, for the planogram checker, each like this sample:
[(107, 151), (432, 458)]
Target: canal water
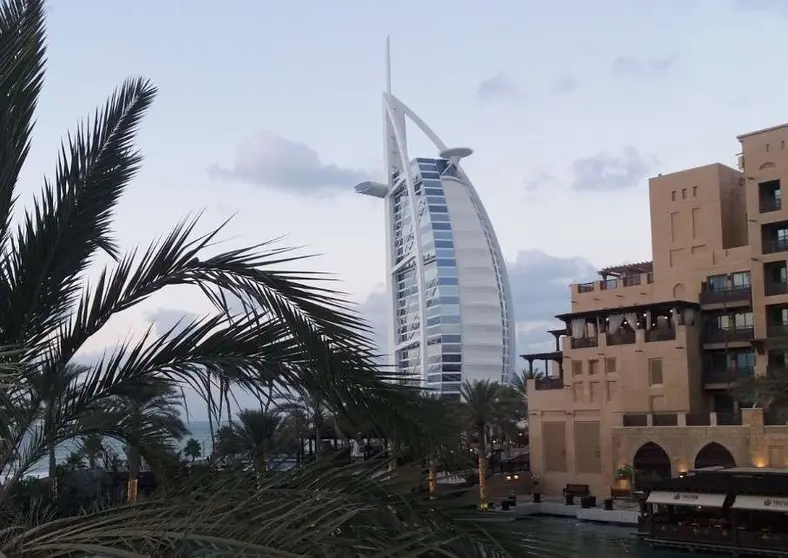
[(548, 537)]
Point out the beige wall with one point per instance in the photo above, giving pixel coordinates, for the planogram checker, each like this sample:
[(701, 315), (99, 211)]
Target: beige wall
[(704, 221), (751, 445)]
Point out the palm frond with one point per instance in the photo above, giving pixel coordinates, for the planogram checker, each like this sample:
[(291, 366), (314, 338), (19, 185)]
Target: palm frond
[(22, 59), (321, 510), (71, 219)]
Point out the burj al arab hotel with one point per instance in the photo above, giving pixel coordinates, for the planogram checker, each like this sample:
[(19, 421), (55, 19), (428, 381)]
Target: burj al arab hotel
[(451, 316)]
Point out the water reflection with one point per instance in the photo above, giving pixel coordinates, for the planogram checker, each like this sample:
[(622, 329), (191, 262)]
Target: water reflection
[(566, 538)]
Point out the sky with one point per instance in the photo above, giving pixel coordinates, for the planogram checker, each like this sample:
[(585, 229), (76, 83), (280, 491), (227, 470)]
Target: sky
[(271, 112)]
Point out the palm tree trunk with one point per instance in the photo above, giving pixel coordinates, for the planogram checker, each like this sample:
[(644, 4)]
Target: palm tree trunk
[(392, 457), (132, 488), (432, 476), (482, 464), (227, 403), (51, 448), (318, 440), (210, 418)]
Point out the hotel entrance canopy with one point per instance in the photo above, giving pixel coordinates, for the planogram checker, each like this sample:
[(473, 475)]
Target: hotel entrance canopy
[(760, 503), (686, 499)]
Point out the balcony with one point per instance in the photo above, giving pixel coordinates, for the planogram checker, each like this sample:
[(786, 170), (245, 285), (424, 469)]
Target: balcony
[(777, 330), (726, 375), (734, 294), (660, 335), (585, 342), (770, 203), (631, 280), (640, 419), (773, 288), (698, 419), (774, 245), (665, 419), (621, 338), (542, 384), (729, 419), (714, 335), (586, 287)]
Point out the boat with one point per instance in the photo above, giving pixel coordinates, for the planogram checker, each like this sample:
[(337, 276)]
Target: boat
[(740, 511)]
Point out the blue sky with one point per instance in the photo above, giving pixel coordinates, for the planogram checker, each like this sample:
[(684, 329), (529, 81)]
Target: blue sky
[(271, 110)]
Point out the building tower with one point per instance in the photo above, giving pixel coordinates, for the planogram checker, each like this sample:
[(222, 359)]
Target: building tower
[(451, 315)]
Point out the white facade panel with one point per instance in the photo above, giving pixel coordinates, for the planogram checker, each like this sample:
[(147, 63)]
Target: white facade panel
[(451, 314)]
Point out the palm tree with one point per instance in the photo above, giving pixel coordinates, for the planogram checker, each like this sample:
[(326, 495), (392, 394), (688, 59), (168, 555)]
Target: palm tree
[(192, 449), (51, 388), (256, 432), (150, 423), (298, 335), (92, 447), (519, 385), (482, 402)]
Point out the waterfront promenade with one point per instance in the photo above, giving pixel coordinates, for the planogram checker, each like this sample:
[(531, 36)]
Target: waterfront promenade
[(623, 512)]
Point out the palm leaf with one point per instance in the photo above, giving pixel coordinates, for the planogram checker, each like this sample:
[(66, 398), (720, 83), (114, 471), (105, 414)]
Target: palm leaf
[(321, 510), (22, 57), (71, 219)]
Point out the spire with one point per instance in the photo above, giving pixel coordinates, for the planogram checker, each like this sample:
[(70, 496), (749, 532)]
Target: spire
[(388, 64)]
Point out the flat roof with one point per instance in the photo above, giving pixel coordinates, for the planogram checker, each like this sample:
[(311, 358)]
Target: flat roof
[(761, 131), (637, 267), (631, 308), (672, 174), (553, 355)]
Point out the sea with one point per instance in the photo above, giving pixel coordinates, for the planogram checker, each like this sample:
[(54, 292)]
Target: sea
[(199, 430)]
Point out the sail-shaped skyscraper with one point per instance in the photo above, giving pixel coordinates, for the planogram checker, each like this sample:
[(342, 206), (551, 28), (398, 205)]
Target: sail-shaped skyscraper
[(451, 316)]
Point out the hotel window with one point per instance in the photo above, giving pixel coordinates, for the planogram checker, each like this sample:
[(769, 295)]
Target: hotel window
[(610, 366), (577, 367), (683, 193), (673, 195), (717, 283), (742, 320), (741, 280), (655, 371), (593, 367), (694, 191)]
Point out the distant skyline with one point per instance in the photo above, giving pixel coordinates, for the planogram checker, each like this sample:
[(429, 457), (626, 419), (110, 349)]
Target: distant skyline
[(271, 111)]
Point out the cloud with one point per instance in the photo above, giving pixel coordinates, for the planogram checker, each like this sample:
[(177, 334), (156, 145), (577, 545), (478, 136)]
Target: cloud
[(540, 290), (634, 66), (604, 171), (499, 87), (761, 6), (272, 161), (375, 309), (164, 319), (564, 85), (537, 181)]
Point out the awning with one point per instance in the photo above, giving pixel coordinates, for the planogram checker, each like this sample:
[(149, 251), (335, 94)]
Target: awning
[(762, 503), (686, 499)]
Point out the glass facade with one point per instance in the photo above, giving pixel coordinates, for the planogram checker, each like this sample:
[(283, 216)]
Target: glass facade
[(451, 303), (444, 331), (442, 320)]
